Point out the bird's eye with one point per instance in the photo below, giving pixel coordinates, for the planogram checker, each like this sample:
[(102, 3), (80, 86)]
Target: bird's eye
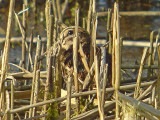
[(70, 32)]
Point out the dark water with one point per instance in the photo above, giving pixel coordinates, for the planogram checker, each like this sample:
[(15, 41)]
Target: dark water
[(135, 27)]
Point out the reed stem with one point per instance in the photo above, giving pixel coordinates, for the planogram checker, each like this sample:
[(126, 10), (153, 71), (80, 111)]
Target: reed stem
[(75, 58)]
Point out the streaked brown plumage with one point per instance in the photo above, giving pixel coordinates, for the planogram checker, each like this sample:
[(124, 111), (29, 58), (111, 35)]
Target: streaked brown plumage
[(66, 38)]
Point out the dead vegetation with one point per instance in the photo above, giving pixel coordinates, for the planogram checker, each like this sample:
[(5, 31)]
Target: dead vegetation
[(72, 58)]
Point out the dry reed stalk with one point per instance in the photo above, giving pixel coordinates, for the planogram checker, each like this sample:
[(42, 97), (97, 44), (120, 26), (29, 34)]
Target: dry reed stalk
[(36, 67), (93, 32), (128, 111), (89, 16), (50, 32), (158, 81), (75, 58), (26, 3), (58, 67), (88, 77), (93, 27), (125, 87), (21, 29), (59, 10), (155, 48), (20, 25), (30, 62), (39, 46), (149, 89), (141, 107), (103, 62), (49, 81), (18, 116), (6, 54), (89, 29), (65, 5), (42, 51), (19, 67), (137, 90), (103, 84), (147, 116), (55, 10), (49, 36), (117, 49), (48, 59), (68, 104), (47, 13), (48, 23), (99, 95), (116, 55), (12, 98), (109, 34), (92, 114), (113, 51), (24, 38), (36, 92), (132, 111), (7, 100), (150, 62), (133, 13), (22, 75), (154, 98), (7, 115), (89, 103), (83, 57), (94, 6), (97, 77), (57, 70), (84, 23), (33, 85), (105, 74)]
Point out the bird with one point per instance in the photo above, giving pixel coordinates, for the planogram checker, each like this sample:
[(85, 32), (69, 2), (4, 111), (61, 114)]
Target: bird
[(67, 35), (66, 55)]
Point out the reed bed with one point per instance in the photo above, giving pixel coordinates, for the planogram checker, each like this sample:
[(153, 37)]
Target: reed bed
[(128, 99)]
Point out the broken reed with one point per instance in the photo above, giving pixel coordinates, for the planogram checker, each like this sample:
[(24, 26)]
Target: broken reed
[(143, 60), (34, 93), (131, 113), (116, 56), (132, 13), (75, 58), (68, 104), (6, 55), (30, 52), (49, 58), (108, 90), (36, 76), (24, 38)]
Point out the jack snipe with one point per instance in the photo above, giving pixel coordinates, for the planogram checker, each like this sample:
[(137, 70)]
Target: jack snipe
[(66, 54)]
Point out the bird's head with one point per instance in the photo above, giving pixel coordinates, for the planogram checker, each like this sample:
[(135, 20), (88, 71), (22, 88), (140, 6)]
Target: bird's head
[(68, 34)]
